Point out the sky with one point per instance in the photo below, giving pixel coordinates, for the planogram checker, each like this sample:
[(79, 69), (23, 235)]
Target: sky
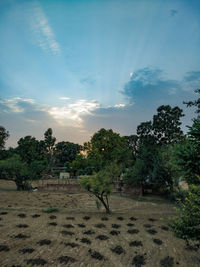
[(77, 66)]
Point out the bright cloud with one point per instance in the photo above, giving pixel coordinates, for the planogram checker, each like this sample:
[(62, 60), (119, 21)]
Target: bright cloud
[(64, 98), (120, 106), (15, 104), (45, 37), (71, 114)]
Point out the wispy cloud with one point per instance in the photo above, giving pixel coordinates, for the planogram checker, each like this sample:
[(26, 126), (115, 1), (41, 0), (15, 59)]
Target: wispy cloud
[(44, 34), (64, 98), (120, 106)]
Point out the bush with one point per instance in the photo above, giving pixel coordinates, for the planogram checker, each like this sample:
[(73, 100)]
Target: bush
[(187, 225), (177, 196)]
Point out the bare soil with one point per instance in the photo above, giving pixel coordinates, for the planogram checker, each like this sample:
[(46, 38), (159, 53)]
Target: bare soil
[(120, 239)]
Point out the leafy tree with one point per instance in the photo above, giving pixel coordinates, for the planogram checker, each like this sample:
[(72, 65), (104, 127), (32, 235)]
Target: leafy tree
[(187, 224), (66, 152), (82, 165), (188, 155), (166, 125), (165, 171), (20, 172), (100, 185), (3, 137), (30, 149), (49, 142), (105, 147)]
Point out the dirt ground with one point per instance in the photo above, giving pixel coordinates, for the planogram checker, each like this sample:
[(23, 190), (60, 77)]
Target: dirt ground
[(135, 234)]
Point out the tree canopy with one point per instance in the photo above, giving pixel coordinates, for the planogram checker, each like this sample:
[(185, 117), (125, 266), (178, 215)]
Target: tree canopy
[(3, 137)]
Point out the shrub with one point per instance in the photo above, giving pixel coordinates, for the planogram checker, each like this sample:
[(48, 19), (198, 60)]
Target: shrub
[(187, 225)]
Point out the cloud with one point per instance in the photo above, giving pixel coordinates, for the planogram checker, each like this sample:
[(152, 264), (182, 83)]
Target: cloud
[(64, 98), (14, 105), (119, 106), (45, 37), (73, 112), (149, 85), (173, 12)]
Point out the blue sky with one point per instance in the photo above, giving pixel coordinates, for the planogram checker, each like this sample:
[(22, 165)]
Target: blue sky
[(77, 66)]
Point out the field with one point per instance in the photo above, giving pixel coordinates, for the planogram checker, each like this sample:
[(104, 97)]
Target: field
[(77, 234)]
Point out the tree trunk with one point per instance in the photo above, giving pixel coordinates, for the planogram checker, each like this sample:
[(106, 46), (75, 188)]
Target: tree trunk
[(106, 206)]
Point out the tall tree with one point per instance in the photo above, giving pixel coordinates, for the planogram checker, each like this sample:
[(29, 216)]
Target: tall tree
[(3, 137), (49, 142), (166, 125)]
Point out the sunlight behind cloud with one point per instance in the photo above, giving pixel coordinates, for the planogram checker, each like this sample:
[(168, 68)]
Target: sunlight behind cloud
[(13, 104), (71, 114)]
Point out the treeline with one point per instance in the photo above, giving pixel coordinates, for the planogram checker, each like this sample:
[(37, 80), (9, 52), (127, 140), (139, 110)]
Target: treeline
[(33, 159), (158, 156)]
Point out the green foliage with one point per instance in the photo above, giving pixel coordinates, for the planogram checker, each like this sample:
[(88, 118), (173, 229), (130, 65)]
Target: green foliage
[(51, 210), (105, 147), (166, 125), (81, 165), (20, 172), (165, 172), (137, 174), (132, 143), (187, 225), (188, 155), (3, 137), (65, 152), (30, 149), (49, 143), (100, 185)]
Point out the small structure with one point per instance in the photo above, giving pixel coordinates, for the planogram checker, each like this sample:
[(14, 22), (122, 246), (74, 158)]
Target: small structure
[(64, 175)]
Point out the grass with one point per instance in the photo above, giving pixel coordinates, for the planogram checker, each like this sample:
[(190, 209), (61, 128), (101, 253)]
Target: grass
[(7, 189), (50, 210)]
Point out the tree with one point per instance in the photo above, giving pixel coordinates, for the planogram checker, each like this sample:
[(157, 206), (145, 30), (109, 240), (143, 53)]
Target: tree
[(82, 165), (100, 185), (165, 172), (30, 149), (166, 125), (195, 103), (20, 172), (188, 155), (105, 147), (65, 152), (3, 137), (132, 143), (49, 142), (137, 174)]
